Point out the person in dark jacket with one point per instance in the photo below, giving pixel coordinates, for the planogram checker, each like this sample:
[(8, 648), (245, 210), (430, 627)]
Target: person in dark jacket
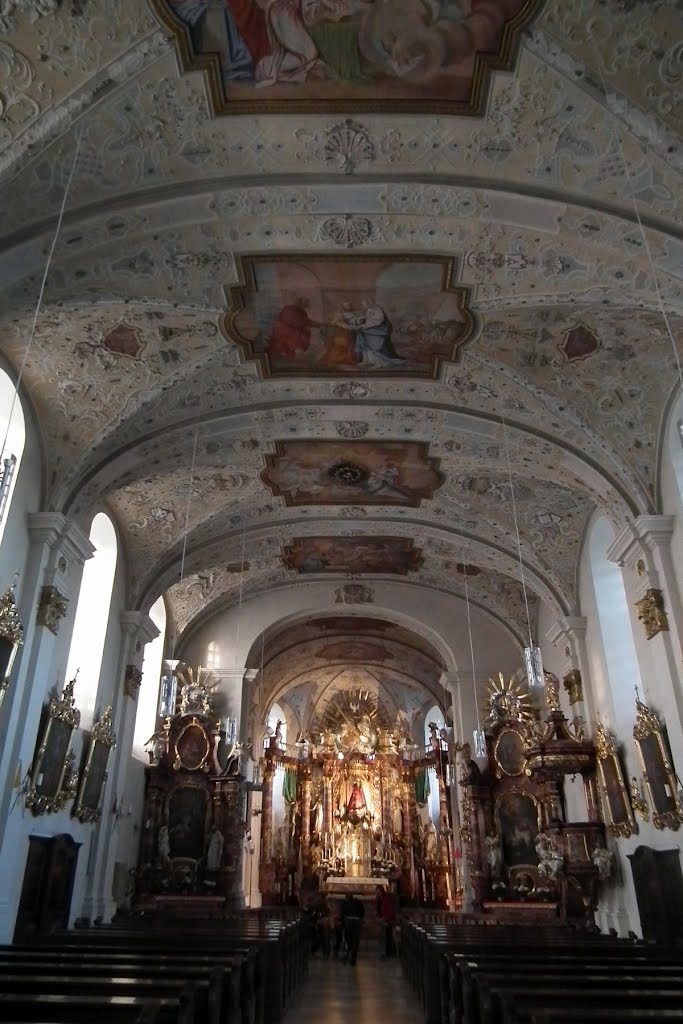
[(353, 913)]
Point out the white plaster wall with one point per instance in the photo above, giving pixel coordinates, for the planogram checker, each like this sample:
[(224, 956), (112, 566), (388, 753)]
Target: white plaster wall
[(48, 676), (618, 907), (439, 618)]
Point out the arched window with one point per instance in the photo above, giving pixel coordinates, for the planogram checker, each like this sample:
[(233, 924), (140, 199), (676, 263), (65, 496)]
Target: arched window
[(619, 649), (213, 656), (92, 617), (12, 439), (148, 697), (435, 714)]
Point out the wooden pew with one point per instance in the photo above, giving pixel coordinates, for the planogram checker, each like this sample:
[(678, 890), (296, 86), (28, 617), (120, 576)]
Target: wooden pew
[(41, 1008)]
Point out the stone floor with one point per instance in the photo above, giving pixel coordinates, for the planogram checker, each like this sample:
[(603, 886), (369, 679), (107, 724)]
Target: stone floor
[(372, 992)]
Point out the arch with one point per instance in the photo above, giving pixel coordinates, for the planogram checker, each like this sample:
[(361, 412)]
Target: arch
[(148, 696), (92, 616), (614, 620), (12, 441)]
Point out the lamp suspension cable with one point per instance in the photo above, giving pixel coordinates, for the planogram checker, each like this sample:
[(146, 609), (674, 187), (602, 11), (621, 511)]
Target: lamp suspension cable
[(478, 735), (41, 292), (187, 523), (532, 654), (239, 602), (646, 243)]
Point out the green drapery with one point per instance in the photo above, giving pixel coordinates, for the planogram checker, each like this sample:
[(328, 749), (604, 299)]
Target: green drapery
[(421, 786), (289, 785)]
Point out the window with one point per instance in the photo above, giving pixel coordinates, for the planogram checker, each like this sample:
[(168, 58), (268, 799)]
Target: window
[(12, 439), (621, 661), (213, 656), (148, 697), (434, 714), (277, 714), (92, 617)]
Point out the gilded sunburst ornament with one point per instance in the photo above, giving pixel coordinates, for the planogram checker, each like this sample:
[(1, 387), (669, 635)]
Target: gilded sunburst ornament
[(507, 701)]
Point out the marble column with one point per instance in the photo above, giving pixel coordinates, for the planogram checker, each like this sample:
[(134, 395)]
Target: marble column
[(306, 815), (328, 808)]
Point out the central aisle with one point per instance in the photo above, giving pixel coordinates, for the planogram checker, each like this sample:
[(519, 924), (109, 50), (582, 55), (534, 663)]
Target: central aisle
[(372, 992)]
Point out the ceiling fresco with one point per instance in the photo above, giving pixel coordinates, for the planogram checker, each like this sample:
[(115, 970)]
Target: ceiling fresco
[(359, 324), (322, 55), (349, 315), (377, 555), (348, 472)]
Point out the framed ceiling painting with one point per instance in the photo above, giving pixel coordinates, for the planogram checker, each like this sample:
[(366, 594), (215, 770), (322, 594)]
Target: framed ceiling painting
[(326, 56)]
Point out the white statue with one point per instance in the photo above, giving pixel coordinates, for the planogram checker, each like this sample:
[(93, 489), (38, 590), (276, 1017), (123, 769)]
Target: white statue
[(430, 841), (494, 855), (164, 843), (602, 859), (550, 860), (214, 853)]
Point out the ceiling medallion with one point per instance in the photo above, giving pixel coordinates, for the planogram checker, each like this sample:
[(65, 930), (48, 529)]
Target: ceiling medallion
[(348, 473)]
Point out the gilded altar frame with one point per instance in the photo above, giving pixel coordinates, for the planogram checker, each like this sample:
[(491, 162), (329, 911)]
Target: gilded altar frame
[(87, 807), (49, 788), (11, 638), (617, 810), (657, 769)]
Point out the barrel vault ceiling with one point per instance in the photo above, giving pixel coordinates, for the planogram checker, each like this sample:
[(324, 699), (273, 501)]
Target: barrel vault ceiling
[(497, 235)]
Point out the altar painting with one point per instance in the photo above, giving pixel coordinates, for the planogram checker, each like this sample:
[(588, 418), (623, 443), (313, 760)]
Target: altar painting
[(517, 815), (394, 555), (326, 55), (343, 472), (342, 316)]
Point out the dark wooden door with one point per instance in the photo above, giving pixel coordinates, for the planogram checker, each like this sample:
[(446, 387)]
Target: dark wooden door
[(46, 892)]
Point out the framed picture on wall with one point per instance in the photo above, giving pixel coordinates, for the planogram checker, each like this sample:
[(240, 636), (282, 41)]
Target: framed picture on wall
[(617, 810), (51, 784), (87, 807)]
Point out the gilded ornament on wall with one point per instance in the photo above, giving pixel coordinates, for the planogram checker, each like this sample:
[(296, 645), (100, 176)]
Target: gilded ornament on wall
[(51, 608), (131, 681), (651, 613), (573, 686)]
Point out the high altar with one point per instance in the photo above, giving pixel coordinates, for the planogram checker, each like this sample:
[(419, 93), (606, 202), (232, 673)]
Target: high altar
[(354, 811)]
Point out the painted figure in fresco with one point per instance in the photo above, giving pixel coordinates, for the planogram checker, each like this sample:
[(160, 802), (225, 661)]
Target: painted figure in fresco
[(374, 346), (291, 332), (426, 47), (340, 347), (293, 55), (234, 29)]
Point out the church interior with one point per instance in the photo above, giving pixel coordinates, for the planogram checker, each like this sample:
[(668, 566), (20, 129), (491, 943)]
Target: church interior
[(341, 510)]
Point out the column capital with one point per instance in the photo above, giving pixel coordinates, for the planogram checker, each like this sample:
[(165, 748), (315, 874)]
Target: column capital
[(450, 681), (46, 527), (568, 628), (639, 540), (74, 544), (655, 531), (138, 625)]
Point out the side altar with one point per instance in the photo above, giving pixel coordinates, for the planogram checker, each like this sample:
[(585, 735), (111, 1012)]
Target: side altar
[(354, 810), (193, 820), (524, 856)]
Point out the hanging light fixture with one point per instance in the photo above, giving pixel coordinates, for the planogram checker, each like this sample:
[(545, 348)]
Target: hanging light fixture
[(478, 735), (532, 654)]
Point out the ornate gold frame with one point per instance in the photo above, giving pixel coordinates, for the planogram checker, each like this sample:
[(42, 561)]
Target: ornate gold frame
[(52, 759), (11, 637), (87, 807), (617, 810), (178, 763), (657, 770)]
